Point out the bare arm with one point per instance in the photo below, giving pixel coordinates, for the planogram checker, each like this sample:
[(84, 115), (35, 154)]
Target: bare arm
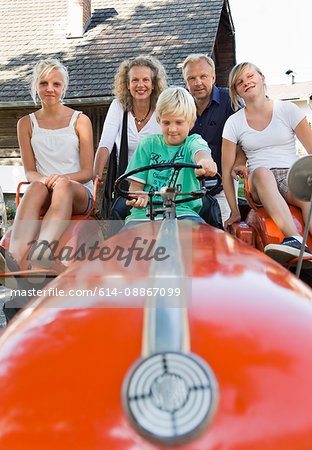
[(112, 124), (101, 158), (24, 133), (209, 167), (239, 163), (304, 134), (140, 201), (228, 158), (85, 134)]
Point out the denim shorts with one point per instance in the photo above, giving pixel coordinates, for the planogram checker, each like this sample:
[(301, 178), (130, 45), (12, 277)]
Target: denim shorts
[(90, 201)]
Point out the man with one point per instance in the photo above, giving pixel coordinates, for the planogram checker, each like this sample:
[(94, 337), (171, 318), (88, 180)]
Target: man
[(213, 106)]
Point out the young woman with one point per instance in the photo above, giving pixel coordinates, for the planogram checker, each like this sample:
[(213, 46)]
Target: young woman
[(57, 151), (266, 130)]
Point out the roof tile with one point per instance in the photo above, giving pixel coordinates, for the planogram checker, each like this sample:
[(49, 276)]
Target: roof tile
[(168, 29)]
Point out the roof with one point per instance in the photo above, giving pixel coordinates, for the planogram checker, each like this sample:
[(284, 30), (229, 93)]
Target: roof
[(34, 29), (296, 91)]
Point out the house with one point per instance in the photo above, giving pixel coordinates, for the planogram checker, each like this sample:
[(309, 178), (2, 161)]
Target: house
[(298, 93), (92, 37)]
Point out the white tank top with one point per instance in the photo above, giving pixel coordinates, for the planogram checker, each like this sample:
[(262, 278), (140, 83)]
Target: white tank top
[(56, 151)]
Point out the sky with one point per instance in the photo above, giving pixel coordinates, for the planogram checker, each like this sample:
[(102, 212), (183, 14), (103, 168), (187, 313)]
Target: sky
[(276, 35)]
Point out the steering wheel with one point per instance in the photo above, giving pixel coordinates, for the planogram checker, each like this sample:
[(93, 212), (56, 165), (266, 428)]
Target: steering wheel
[(193, 195), (211, 183), (169, 192)]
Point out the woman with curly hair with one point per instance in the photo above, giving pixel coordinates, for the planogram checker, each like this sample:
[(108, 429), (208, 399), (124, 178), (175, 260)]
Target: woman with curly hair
[(138, 83)]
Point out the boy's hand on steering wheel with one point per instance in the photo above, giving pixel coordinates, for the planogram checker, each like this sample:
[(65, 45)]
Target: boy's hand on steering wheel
[(138, 202), (208, 169)]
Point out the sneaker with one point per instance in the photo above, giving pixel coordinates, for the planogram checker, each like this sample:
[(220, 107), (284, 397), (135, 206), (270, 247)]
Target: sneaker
[(288, 249), (8, 264), (40, 256)]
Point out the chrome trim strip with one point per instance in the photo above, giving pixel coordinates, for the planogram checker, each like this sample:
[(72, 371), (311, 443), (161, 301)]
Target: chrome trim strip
[(166, 327)]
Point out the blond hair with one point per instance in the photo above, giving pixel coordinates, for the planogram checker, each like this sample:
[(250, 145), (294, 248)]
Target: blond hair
[(234, 74), (195, 58), (159, 79), (44, 67), (176, 101)]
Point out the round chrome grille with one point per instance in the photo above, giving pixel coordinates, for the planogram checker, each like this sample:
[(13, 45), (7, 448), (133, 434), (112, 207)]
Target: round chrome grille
[(170, 397)]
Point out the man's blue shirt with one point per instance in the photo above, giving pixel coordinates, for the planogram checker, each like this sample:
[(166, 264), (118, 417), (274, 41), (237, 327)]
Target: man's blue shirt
[(210, 124)]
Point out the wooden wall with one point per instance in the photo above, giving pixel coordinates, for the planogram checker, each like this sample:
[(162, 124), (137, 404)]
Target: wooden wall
[(9, 151), (224, 49)]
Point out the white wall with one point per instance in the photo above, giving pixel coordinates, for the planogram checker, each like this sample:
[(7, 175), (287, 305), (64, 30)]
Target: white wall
[(10, 176)]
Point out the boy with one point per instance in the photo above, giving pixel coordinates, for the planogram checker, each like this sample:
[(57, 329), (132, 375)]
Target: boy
[(176, 114)]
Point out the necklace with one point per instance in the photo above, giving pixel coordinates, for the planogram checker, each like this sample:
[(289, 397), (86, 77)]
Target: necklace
[(141, 120)]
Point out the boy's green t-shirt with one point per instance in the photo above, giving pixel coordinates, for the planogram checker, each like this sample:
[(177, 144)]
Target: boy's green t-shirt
[(153, 150)]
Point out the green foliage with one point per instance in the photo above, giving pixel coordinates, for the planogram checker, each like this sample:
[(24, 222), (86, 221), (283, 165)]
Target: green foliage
[(10, 213), (241, 190)]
